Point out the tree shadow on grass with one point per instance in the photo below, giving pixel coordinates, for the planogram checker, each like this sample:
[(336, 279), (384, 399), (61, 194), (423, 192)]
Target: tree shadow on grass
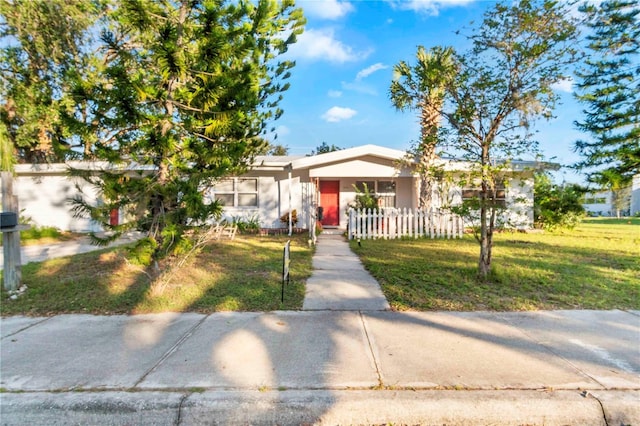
[(266, 360), (98, 282), (442, 275), (246, 275)]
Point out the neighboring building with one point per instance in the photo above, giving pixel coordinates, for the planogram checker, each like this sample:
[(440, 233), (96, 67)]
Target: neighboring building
[(598, 203), (635, 196), (602, 203), (276, 185)]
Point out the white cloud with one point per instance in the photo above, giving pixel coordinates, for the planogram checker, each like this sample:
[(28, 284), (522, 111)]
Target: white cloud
[(322, 45), (430, 7), (359, 87), (282, 130), (336, 114), (326, 9), (334, 93), (370, 70), (565, 85), (277, 133)]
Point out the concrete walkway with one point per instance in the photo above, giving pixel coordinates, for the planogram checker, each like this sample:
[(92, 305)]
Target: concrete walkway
[(362, 366), (40, 253), (339, 281)]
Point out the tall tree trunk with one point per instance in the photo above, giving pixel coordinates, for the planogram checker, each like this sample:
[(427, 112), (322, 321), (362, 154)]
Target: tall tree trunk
[(429, 123), (486, 226), (161, 203), (484, 263)]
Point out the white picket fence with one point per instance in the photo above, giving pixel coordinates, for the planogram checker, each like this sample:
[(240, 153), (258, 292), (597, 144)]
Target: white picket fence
[(398, 223)]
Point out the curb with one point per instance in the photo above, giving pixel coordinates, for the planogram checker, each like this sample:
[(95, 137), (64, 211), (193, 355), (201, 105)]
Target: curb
[(323, 407)]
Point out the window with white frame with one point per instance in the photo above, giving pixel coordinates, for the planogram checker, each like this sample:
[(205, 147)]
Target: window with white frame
[(385, 190), (500, 200), (237, 192), (595, 200)]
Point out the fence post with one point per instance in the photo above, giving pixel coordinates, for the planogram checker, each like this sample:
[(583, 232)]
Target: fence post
[(415, 224), (393, 224), (376, 227)]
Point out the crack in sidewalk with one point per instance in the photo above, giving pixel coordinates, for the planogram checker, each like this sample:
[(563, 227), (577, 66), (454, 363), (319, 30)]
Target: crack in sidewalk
[(171, 350), (371, 351)]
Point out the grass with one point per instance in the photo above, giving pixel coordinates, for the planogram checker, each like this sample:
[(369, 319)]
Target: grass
[(595, 266), (240, 275), (45, 235)]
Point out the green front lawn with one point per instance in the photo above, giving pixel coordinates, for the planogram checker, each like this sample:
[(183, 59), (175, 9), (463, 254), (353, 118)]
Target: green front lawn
[(240, 275), (595, 266)]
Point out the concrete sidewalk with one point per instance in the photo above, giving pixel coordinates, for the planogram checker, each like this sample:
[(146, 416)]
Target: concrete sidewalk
[(339, 281), (362, 366), (560, 367)]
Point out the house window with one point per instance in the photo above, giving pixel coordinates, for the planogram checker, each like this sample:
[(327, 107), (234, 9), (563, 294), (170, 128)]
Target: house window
[(237, 192), (470, 194), (385, 190), (598, 200), (368, 184)]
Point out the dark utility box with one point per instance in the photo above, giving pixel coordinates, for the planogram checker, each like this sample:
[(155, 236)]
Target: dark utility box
[(8, 220)]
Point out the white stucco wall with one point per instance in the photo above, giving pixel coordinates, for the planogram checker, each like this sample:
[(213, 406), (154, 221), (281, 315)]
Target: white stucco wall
[(635, 195), (273, 201), (356, 169), (405, 194), (519, 198), (44, 198), (600, 209), (44, 194)]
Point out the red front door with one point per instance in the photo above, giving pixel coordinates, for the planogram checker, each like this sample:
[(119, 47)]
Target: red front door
[(330, 202)]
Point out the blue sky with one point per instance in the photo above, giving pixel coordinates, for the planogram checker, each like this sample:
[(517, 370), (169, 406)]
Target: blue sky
[(339, 87)]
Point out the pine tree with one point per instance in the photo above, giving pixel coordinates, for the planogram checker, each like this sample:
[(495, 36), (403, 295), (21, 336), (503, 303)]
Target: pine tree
[(609, 87), (188, 91), (42, 43)]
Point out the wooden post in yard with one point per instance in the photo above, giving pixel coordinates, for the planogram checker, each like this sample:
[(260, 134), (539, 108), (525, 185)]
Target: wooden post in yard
[(11, 236)]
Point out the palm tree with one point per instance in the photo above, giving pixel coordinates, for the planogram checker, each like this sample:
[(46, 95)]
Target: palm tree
[(422, 87)]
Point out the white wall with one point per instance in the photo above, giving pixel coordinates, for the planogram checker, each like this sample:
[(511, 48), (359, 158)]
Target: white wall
[(44, 198), (519, 203), (635, 195), (273, 201), (601, 209)]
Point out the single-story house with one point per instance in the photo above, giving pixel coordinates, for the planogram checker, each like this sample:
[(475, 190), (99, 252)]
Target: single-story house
[(599, 203), (635, 196), (276, 185)]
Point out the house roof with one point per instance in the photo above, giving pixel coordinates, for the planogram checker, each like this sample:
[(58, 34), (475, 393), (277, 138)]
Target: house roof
[(282, 162), (304, 162), (275, 160), (347, 154)]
